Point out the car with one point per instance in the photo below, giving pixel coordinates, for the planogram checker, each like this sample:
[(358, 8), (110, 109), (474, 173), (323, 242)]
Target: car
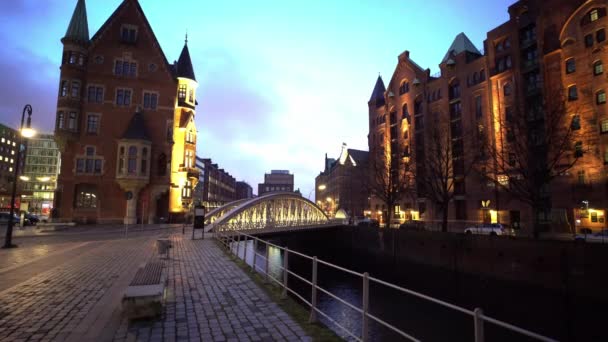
[(412, 225), (493, 229), (4, 218), (601, 236), (33, 219), (368, 222)]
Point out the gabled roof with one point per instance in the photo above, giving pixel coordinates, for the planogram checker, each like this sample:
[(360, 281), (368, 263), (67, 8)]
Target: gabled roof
[(107, 23), (461, 43), (184, 64), (137, 128), (358, 155), (78, 29), (379, 89)]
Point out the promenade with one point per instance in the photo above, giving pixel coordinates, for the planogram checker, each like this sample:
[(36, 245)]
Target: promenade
[(68, 287)]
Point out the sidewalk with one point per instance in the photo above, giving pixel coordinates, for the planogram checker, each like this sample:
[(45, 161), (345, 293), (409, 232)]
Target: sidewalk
[(211, 299)]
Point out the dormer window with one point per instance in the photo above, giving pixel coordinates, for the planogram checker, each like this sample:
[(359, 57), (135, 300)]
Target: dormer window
[(181, 92), (128, 34), (133, 159)]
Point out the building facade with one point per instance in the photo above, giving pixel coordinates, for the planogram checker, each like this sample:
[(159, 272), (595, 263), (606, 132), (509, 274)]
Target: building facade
[(341, 185), (216, 186), (41, 169), (9, 139), (243, 190), (547, 57), (276, 180), (125, 123)]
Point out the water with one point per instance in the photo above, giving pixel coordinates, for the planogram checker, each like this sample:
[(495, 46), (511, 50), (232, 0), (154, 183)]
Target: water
[(537, 310)]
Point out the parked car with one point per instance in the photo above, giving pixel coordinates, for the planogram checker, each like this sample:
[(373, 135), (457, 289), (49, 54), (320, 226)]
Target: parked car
[(367, 222), (33, 219), (489, 229), (601, 236), (412, 225), (4, 218)]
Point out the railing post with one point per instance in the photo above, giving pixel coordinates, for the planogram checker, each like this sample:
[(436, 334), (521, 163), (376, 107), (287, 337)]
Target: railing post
[(238, 244), (245, 249), (255, 253), (365, 308), (313, 299), (285, 274), (478, 319), (267, 261)]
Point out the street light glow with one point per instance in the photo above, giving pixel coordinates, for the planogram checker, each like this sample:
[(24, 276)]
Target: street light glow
[(328, 199), (28, 132), (24, 178), (322, 187), (44, 179)]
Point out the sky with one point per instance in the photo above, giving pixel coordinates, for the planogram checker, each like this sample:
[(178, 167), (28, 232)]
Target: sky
[(281, 83)]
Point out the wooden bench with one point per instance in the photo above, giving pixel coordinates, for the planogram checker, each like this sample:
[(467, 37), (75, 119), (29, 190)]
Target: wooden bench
[(145, 294)]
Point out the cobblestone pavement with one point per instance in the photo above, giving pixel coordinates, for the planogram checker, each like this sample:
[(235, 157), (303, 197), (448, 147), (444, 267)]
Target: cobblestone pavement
[(211, 299)]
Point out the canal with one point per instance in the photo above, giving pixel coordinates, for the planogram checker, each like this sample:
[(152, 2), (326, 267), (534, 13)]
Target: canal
[(546, 312)]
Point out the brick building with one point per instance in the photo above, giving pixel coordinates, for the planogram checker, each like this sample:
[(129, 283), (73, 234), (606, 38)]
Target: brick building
[(276, 180), (216, 187), (548, 55), (8, 152), (243, 190), (125, 123), (341, 184)]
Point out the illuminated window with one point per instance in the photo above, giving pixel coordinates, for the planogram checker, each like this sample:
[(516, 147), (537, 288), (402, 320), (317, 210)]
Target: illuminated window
[(503, 180), (570, 66), (189, 159), (600, 97), (604, 126), (572, 93), (85, 196), (190, 137), (598, 68), (594, 15), (191, 96), (181, 92), (187, 190)]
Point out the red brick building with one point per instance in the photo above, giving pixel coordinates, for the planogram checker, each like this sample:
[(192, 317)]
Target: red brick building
[(125, 123), (549, 54)]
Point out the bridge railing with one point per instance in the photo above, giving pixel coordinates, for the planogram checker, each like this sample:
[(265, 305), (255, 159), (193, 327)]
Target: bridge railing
[(477, 315)]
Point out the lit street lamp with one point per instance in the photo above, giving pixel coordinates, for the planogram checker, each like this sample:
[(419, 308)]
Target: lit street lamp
[(26, 132)]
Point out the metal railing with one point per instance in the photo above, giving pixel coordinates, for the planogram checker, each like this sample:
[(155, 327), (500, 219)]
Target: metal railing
[(479, 319)]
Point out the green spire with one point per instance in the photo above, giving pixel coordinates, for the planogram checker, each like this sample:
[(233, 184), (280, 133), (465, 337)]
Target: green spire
[(78, 30)]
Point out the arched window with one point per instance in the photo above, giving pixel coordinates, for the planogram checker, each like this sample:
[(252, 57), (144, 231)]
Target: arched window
[(405, 111), (162, 164), (404, 87), (121, 160), (132, 164), (598, 68), (454, 91), (418, 106), (593, 15), (572, 93), (507, 89), (144, 161)]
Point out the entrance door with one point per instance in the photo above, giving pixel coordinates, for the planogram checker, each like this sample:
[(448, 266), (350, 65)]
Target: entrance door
[(515, 219), (162, 208)]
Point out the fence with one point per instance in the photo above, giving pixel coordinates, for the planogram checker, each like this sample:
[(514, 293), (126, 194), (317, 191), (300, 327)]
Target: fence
[(477, 315)]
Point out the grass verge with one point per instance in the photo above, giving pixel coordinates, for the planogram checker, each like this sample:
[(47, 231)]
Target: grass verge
[(317, 331)]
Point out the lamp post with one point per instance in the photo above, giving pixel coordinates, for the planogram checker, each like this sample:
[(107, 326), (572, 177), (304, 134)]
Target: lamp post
[(26, 132)]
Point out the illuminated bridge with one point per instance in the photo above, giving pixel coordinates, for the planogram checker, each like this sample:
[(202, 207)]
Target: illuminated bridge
[(273, 212)]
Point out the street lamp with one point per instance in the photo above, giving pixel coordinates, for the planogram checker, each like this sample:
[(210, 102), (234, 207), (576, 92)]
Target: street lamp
[(24, 132)]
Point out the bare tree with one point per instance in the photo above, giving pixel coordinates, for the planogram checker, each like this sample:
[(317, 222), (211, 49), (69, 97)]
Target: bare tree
[(391, 179), (448, 157), (533, 145)]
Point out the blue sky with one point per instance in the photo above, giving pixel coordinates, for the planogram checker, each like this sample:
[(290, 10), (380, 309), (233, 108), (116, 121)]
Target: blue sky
[(281, 82)]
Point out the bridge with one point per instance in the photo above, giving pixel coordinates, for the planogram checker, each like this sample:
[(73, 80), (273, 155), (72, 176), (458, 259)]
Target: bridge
[(273, 212)]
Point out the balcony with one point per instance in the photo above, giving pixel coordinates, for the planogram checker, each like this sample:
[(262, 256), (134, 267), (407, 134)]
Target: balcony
[(191, 172)]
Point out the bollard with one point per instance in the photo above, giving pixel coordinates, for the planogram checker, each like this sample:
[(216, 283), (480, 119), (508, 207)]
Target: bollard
[(478, 319), (255, 253), (313, 299), (365, 308), (285, 273)]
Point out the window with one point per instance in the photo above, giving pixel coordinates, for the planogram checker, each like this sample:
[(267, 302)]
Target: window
[(600, 97), (128, 34), (509, 114), (162, 164), (181, 92), (404, 111), (507, 89), (404, 88), (169, 131), (576, 122), (508, 62), (125, 68), (191, 96), (60, 120), (606, 155), (92, 124), (593, 15), (132, 161), (144, 161), (189, 159), (572, 93), (600, 35), (121, 160), (418, 106), (589, 40), (187, 190), (72, 121), (482, 75), (75, 89), (123, 97), (581, 177), (478, 107), (89, 163), (570, 66), (190, 137), (578, 149), (604, 126), (454, 90), (150, 100), (85, 197), (95, 94), (63, 89), (598, 68)]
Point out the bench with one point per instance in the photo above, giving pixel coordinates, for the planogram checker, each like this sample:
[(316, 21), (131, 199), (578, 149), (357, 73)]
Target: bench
[(145, 294)]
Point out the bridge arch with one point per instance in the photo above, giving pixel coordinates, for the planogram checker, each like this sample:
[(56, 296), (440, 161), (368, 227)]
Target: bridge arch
[(277, 210)]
